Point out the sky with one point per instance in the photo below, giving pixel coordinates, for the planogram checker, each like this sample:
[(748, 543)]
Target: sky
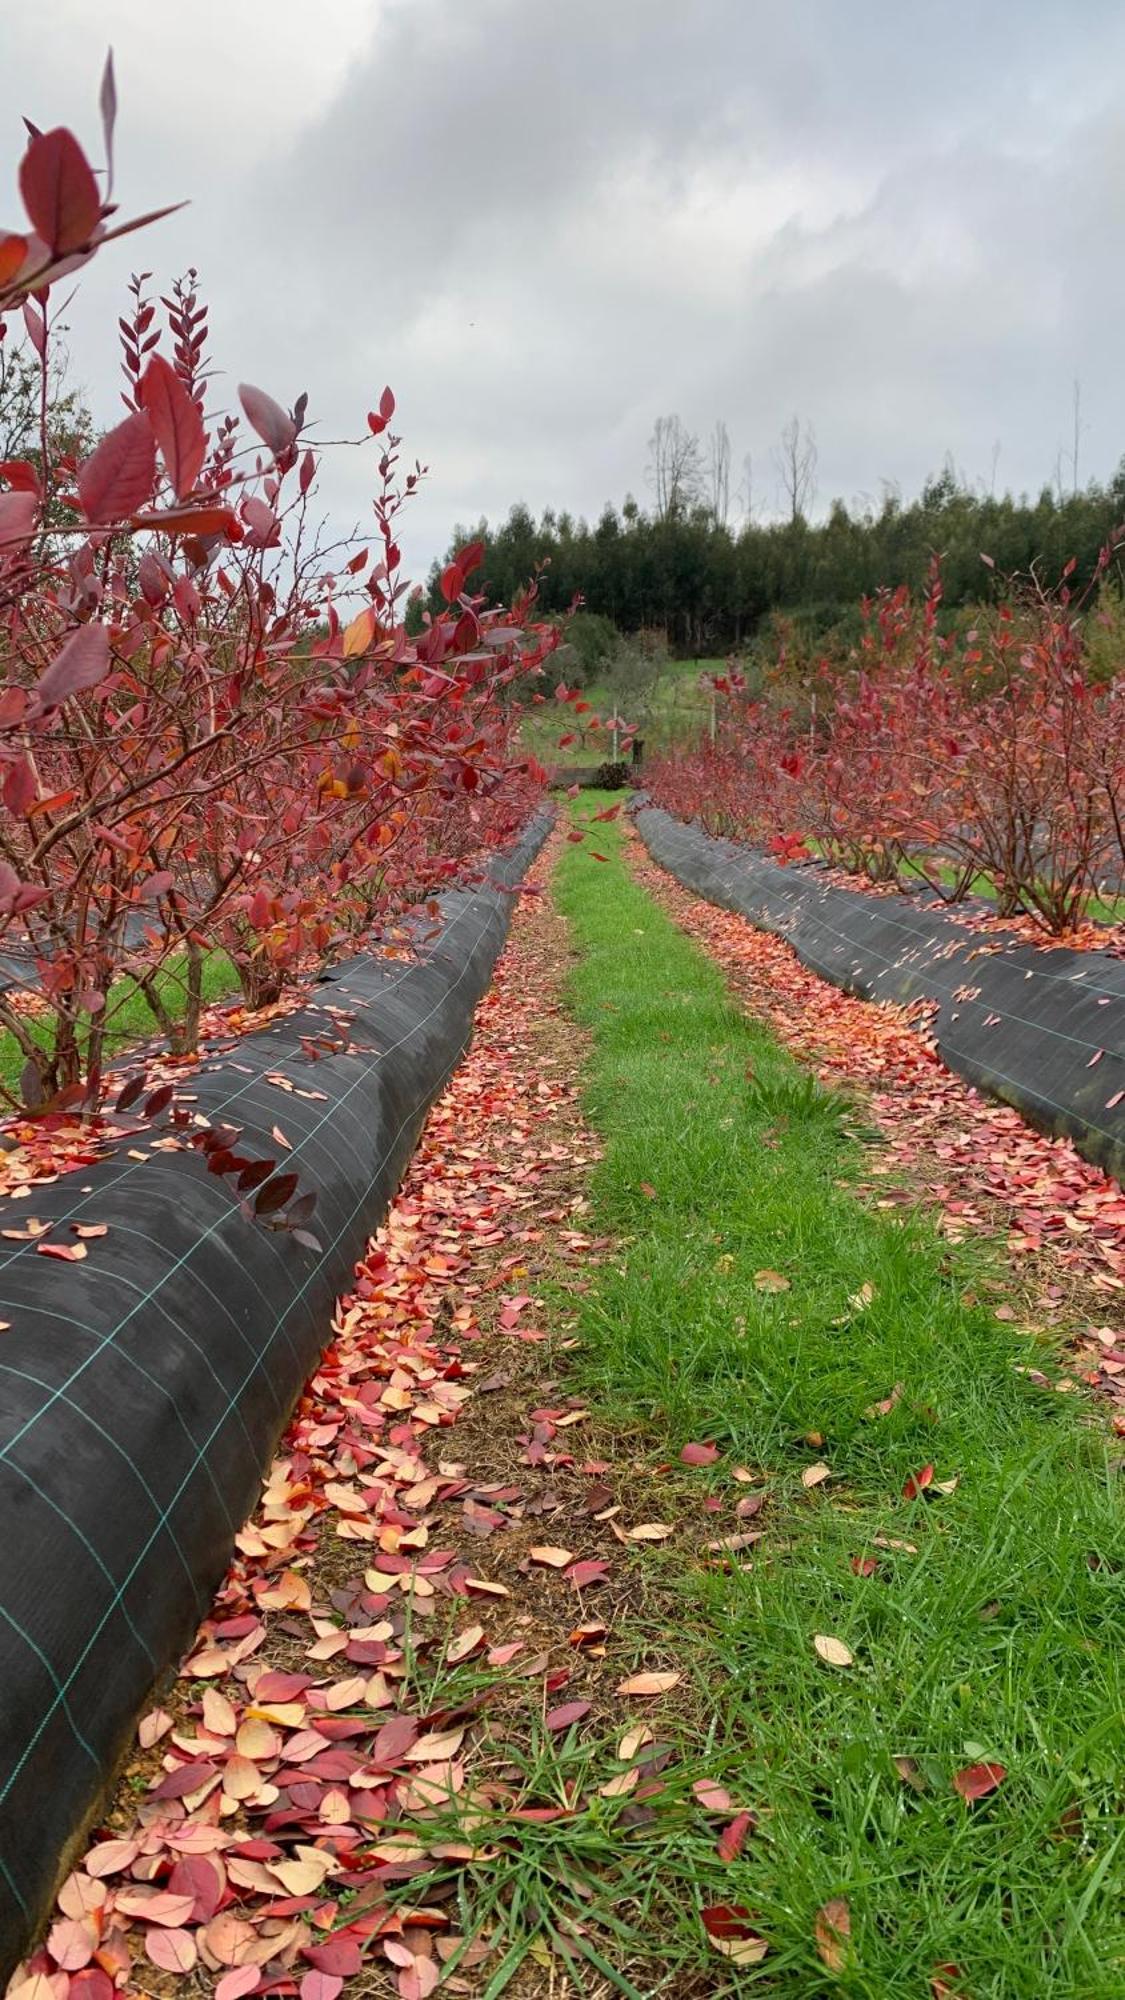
[(548, 222)]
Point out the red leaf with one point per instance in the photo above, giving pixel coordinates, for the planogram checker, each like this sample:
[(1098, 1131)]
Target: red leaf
[(977, 1780), (13, 256), (918, 1482), (386, 412), (20, 474), (733, 1836), (470, 557), (699, 1454), (117, 479), (212, 520), (83, 662), (571, 1711), (591, 1570), (273, 425), (59, 191), (340, 1956), (91, 1984), (727, 1920), (18, 515), (177, 422), (275, 1194)]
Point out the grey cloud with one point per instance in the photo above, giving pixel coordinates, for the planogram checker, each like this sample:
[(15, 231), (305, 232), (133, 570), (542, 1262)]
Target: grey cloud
[(545, 221)]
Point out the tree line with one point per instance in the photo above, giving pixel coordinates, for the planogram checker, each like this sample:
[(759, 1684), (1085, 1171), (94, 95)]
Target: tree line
[(681, 567)]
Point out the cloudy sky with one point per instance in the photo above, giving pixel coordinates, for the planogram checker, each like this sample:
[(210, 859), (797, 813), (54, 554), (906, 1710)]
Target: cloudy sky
[(546, 222)]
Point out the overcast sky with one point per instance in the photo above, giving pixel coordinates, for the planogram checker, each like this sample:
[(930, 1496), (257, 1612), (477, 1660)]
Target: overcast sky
[(546, 222)]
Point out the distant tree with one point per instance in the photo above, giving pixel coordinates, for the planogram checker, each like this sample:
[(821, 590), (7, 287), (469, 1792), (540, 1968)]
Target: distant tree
[(746, 490), (718, 472), (795, 458), (675, 467)]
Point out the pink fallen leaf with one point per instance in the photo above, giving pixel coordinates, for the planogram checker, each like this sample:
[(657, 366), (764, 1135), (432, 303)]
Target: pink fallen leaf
[(242, 1979), (712, 1797), (172, 1951), (570, 1712), (111, 1857), (321, 1985), (699, 1454), (590, 1571), (72, 1942)]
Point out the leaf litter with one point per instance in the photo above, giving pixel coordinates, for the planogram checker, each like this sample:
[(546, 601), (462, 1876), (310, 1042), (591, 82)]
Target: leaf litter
[(394, 1613)]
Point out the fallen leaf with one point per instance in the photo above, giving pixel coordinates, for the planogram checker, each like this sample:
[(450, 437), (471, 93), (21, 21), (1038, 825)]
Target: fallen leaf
[(172, 1951), (771, 1281), (551, 1558), (649, 1684), (569, 1713), (833, 1652), (699, 1454), (729, 1928), (712, 1797), (732, 1837), (917, 1483), (976, 1781), (633, 1740), (815, 1475), (833, 1929)]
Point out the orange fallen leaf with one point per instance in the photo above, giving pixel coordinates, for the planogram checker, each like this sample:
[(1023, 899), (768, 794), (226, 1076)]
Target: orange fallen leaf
[(771, 1281), (833, 1928), (649, 1684), (551, 1558)]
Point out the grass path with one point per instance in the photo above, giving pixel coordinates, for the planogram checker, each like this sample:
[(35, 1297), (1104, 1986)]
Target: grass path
[(761, 1307)]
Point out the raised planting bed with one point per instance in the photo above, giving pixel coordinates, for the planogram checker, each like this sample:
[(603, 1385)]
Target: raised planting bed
[(144, 1387), (1041, 1027)]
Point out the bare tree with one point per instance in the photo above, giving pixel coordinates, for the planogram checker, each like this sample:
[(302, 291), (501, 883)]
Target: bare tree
[(795, 460), (746, 490), (718, 472), (675, 467), (1078, 428)]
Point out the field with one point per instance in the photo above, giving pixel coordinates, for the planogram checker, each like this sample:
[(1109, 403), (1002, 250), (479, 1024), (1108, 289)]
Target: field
[(680, 711)]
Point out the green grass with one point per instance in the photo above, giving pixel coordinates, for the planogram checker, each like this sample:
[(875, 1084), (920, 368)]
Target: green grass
[(128, 1015), (1000, 1639)]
